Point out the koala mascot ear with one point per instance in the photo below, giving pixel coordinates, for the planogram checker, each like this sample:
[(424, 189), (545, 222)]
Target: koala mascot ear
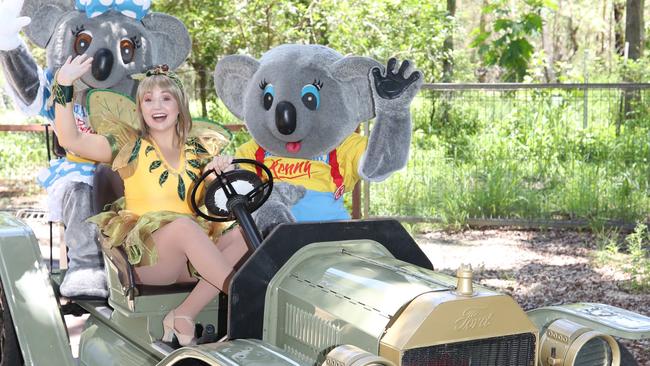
[(231, 76), (353, 72), (45, 15), (170, 37)]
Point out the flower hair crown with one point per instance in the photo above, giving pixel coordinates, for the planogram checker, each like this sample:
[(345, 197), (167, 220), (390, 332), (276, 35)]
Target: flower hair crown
[(161, 70)]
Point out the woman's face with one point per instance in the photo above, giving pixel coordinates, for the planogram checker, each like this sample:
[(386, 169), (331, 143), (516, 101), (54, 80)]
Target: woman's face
[(159, 110)]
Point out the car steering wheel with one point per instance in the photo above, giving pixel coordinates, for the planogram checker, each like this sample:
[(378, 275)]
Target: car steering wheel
[(224, 198)]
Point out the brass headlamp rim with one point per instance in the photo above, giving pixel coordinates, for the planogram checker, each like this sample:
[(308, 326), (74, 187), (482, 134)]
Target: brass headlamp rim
[(581, 340)]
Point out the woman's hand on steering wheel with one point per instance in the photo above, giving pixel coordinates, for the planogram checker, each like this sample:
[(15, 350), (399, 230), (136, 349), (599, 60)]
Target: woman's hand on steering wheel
[(220, 164), (236, 187)]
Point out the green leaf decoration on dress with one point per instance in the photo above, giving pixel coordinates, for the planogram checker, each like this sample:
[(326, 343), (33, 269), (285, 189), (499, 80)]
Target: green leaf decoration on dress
[(155, 165), (135, 151), (163, 177), (148, 150), (199, 149), (194, 163), (191, 174), (181, 188)]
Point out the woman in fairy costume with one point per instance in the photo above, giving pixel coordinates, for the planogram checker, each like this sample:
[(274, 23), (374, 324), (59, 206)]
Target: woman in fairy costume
[(158, 164)]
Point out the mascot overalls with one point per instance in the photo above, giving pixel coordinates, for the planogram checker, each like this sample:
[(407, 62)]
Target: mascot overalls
[(302, 104), (124, 39)]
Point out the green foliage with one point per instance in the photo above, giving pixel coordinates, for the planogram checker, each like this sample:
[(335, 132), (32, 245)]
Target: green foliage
[(22, 155), (238, 138), (633, 261), (607, 247), (376, 28), (484, 154), (508, 44), (639, 265)]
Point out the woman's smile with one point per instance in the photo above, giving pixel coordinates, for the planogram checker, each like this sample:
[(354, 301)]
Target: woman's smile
[(159, 109)]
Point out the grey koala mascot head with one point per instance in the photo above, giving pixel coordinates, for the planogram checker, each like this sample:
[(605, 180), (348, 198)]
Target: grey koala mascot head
[(119, 44), (305, 102), (124, 39)]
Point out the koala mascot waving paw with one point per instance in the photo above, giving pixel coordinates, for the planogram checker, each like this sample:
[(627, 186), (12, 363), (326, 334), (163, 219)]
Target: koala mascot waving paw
[(302, 104), (123, 38)]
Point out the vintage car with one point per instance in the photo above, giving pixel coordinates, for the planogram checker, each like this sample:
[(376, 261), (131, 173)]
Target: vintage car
[(331, 293)]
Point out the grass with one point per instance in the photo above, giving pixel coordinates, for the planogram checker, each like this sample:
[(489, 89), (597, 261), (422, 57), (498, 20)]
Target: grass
[(482, 154), (628, 253)]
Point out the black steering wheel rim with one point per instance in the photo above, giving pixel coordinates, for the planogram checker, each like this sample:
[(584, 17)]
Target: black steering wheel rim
[(225, 183)]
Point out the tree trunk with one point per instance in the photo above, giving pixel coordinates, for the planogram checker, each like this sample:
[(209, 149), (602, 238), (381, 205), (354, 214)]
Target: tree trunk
[(634, 28), (548, 32), (448, 46), (602, 34), (573, 34), (203, 91), (482, 22), (619, 44), (634, 40)]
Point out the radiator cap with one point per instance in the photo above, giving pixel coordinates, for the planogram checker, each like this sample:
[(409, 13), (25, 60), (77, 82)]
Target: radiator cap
[(464, 274)]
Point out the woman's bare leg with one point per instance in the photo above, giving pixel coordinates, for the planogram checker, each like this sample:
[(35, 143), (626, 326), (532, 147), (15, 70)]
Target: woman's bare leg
[(233, 246), (176, 243), (183, 240)]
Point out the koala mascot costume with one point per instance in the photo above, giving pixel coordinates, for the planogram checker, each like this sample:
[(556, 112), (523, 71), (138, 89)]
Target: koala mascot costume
[(302, 104), (124, 39)]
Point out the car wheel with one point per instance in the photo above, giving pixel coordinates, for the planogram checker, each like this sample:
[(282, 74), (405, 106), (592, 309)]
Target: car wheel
[(626, 356), (10, 354)]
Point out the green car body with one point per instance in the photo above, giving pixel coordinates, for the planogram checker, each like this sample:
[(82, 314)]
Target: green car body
[(331, 302)]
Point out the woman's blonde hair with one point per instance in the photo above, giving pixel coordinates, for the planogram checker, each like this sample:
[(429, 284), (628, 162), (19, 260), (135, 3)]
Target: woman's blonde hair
[(184, 122)]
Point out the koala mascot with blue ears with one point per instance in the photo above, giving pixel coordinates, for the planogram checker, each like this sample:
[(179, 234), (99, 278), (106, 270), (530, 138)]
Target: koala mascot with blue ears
[(302, 104), (123, 38)]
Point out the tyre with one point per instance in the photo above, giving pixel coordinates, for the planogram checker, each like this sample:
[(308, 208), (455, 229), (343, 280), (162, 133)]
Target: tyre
[(10, 354), (626, 356)]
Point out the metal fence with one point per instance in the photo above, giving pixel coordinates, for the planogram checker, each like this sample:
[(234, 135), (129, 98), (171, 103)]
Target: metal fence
[(524, 154), (563, 154)]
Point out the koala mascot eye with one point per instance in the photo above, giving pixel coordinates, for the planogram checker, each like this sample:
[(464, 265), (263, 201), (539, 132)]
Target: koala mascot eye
[(269, 94), (82, 42), (310, 96), (127, 50)]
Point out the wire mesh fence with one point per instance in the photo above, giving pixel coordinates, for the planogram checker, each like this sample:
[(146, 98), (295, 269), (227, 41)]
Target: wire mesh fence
[(482, 151), (530, 152)]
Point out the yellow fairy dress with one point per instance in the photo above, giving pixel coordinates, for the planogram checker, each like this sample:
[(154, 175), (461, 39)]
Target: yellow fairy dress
[(155, 194)]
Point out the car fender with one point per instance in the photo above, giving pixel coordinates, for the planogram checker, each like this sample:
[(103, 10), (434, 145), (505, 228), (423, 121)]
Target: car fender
[(238, 352), (607, 319), (35, 310)]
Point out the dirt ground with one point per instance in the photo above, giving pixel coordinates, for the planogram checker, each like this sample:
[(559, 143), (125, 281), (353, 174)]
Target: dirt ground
[(537, 268)]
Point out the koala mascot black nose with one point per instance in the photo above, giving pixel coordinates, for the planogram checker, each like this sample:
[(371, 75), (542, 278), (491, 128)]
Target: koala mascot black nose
[(285, 118), (102, 64)]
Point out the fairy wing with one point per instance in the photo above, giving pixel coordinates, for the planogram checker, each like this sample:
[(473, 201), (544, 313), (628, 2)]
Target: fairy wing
[(114, 114), (211, 136)]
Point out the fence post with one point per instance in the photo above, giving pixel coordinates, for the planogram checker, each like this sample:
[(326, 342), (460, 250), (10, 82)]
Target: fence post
[(585, 110)]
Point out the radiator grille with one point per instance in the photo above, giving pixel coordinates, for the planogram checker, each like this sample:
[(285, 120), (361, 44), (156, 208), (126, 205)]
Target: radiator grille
[(513, 350), (310, 329)]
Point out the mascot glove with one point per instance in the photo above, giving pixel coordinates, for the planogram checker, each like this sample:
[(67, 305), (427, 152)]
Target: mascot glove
[(11, 23), (404, 84)]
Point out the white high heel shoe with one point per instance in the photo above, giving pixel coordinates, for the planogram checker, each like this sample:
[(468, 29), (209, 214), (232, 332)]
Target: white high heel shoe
[(169, 330)]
